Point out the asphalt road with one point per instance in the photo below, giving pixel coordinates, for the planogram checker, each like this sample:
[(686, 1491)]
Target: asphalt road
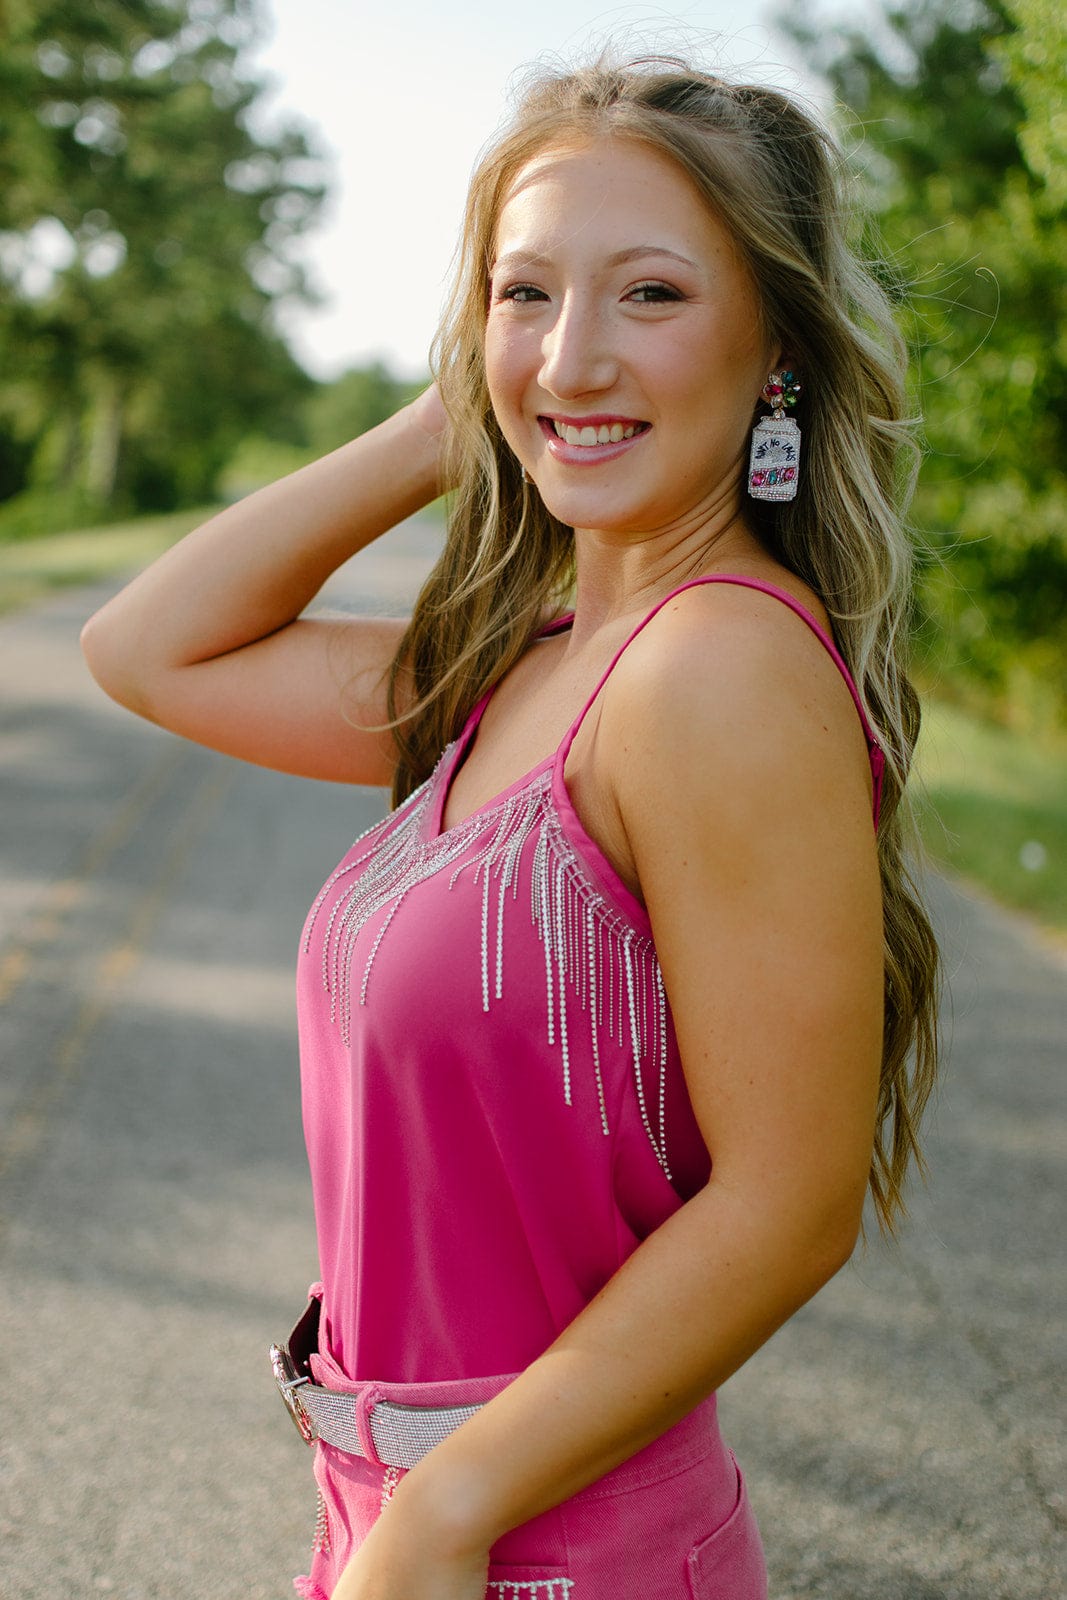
[(903, 1436)]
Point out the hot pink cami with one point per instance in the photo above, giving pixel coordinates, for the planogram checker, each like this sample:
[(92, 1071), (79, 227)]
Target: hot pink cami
[(494, 1106)]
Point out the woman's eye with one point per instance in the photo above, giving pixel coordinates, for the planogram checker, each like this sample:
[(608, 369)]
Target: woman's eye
[(652, 293), (522, 293)]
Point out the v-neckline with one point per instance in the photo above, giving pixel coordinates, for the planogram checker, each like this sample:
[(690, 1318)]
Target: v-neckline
[(460, 751), (462, 748)]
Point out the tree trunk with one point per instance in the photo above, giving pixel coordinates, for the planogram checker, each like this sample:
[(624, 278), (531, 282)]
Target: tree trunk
[(105, 438)]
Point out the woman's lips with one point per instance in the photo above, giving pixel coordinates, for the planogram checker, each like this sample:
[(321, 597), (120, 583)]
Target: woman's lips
[(622, 434)]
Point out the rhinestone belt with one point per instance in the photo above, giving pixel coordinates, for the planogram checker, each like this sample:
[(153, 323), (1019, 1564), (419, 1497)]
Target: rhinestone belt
[(401, 1434)]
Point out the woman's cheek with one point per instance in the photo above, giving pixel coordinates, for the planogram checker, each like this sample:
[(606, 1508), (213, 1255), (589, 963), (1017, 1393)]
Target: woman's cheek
[(506, 358)]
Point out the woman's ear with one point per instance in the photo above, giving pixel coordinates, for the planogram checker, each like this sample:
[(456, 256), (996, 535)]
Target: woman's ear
[(773, 353)]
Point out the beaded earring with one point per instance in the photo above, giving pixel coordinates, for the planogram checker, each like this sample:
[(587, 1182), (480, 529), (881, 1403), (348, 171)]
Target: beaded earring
[(774, 461)]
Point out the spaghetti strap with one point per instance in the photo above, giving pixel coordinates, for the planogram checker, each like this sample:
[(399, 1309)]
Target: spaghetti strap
[(875, 752)]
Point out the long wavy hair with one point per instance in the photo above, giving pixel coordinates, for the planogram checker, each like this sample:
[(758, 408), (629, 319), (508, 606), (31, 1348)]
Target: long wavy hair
[(770, 174)]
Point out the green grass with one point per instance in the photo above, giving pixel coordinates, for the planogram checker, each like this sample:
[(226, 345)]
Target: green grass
[(993, 809), (32, 568)]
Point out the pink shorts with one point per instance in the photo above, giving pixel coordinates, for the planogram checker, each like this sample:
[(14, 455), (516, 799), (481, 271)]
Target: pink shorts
[(672, 1523)]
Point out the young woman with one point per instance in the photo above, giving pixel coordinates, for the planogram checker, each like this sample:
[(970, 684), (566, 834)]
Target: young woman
[(605, 1029)]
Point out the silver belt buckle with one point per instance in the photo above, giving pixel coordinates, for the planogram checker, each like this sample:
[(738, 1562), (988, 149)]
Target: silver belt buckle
[(289, 1383)]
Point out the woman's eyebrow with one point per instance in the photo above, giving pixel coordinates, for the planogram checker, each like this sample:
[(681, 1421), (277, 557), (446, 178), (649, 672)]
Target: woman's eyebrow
[(620, 258)]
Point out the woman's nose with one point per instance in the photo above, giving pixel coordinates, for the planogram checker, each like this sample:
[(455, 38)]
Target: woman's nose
[(576, 358)]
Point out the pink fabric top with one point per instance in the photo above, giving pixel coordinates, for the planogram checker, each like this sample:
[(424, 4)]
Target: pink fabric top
[(494, 1107)]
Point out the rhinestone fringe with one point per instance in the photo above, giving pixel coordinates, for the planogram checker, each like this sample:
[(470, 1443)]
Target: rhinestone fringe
[(321, 1543), (595, 960), (392, 1477), (514, 1589)]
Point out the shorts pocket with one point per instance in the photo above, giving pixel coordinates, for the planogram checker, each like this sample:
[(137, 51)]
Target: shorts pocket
[(529, 1583), (729, 1564)]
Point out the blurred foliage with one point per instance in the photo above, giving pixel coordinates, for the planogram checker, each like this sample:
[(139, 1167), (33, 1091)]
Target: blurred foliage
[(356, 401), (146, 237), (329, 415), (961, 153), (993, 807)]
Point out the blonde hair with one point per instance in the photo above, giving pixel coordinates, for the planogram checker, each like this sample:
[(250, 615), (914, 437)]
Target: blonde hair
[(768, 171)]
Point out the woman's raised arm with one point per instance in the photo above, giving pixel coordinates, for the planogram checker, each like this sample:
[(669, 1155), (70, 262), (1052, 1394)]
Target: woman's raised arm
[(208, 641)]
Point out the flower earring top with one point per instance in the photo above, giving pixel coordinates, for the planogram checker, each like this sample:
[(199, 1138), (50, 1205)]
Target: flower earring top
[(780, 392), (775, 456)]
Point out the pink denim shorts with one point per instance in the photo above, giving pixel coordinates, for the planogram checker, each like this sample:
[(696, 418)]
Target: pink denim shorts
[(672, 1523)]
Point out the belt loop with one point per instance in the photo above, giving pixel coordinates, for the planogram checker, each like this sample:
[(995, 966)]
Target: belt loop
[(365, 1401)]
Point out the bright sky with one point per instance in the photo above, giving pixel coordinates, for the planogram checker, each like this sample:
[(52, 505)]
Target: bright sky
[(403, 94)]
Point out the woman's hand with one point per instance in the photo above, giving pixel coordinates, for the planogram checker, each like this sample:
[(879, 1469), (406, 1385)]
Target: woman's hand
[(400, 1560)]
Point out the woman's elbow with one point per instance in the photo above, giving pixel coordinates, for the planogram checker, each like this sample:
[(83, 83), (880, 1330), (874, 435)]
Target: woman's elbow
[(112, 662), (835, 1229), (840, 1243), (819, 1229)]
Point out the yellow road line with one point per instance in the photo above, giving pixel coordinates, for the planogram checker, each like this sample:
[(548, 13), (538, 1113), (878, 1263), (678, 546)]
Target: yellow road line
[(47, 921), (25, 1130)]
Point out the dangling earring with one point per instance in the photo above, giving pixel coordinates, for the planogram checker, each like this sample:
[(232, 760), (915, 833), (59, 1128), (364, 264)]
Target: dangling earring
[(526, 476), (775, 457)]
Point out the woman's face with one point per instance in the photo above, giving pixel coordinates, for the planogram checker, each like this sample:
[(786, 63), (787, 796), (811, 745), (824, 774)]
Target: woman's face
[(624, 347)]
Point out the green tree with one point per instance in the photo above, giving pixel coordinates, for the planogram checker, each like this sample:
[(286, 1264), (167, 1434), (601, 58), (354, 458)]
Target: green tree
[(359, 399), (959, 153), (1035, 55), (332, 413), (148, 236)]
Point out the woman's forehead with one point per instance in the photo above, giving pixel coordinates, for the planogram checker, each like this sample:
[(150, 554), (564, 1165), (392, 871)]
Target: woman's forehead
[(574, 157), (609, 185)]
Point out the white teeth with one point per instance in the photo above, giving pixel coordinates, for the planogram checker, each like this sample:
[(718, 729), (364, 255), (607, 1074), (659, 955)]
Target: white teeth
[(612, 433)]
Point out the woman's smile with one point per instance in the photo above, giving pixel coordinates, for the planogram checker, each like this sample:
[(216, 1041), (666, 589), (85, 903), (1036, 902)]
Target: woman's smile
[(587, 441)]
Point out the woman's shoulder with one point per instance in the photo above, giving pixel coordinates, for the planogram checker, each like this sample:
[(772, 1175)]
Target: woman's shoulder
[(732, 675), (748, 597), (728, 632)]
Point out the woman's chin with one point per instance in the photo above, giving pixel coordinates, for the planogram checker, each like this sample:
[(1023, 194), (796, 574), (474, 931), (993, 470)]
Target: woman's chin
[(581, 509)]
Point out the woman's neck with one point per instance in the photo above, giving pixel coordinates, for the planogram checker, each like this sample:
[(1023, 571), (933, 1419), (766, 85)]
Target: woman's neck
[(619, 576)]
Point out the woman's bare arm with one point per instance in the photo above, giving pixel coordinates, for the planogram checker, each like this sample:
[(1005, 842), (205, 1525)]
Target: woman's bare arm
[(759, 869), (209, 643)]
